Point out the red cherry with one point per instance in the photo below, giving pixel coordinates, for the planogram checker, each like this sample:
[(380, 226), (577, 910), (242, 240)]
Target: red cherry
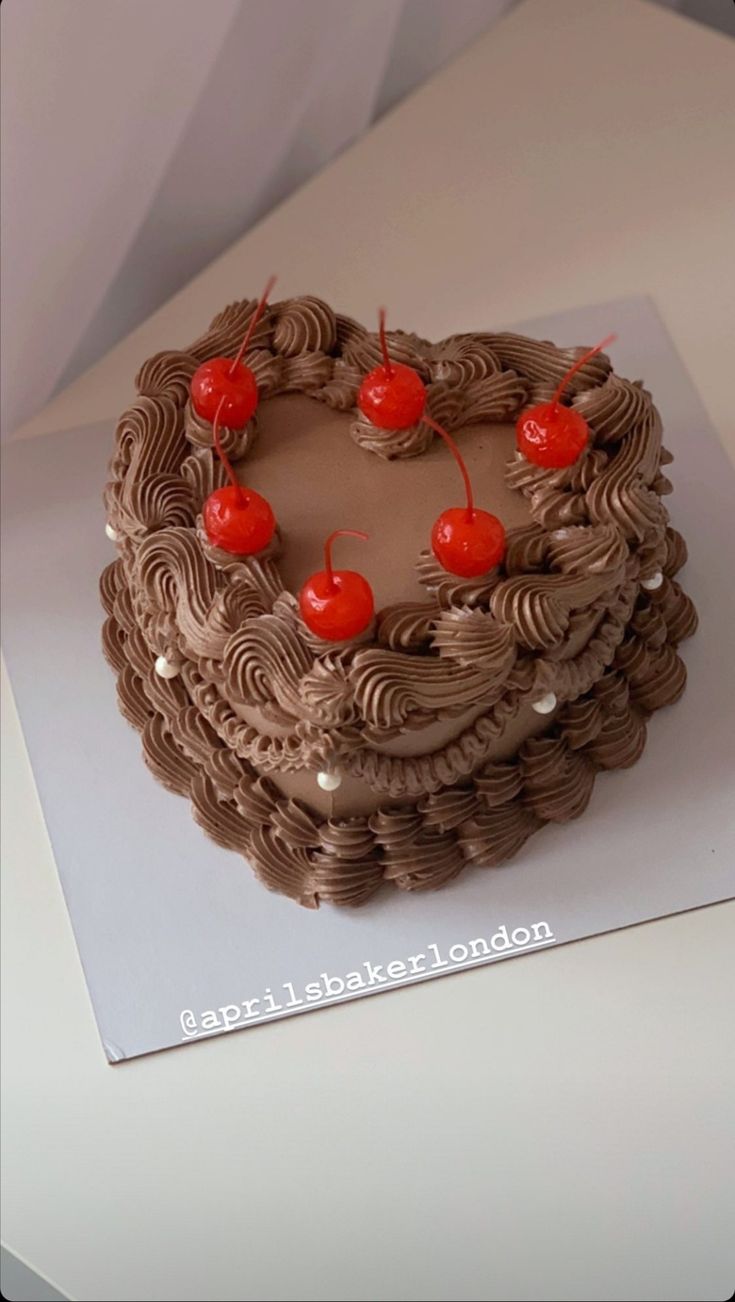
[(392, 399), (465, 540), (551, 435), (392, 396), (337, 604), (465, 544), (227, 384), (237, 519), (220, 380)]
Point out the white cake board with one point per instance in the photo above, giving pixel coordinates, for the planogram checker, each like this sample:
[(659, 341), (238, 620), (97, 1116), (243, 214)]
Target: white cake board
[(177, 938)]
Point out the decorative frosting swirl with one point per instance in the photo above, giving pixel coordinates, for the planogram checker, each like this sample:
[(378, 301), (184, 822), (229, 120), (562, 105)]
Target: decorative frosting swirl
[(393, 690), (364, 351), (676, 610), (613, 408), (622, 492), (545, 365), (449, 589), (391, 443), (263, 664), (204, 473), (295, 824), (228, 329), (407, 626), (494, 835), (307, 373), (557, 781), (237, 443), (449, 808), (427, 862), (495, 398), (145, 492), (474, 637), (461, 360), (499, 783), (167, 374), (327, 693), (340, 390), (304, 325), (539, 607)]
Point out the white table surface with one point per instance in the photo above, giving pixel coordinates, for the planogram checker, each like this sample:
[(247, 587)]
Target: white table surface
[(555, 1127)]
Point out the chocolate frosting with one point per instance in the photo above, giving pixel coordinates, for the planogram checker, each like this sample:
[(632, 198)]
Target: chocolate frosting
[(258, 697)]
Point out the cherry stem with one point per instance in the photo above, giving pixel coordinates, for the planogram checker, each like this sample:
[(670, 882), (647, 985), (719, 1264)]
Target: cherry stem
[(578, 366), (384, 342), (257, 314), (338, 533), (223, 455), (458, 458)]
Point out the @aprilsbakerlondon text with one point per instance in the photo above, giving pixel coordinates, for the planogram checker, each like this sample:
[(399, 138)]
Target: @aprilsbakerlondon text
[(364, 978)]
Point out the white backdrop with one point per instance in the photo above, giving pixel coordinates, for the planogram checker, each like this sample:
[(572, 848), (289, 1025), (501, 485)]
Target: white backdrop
[(141, 137)]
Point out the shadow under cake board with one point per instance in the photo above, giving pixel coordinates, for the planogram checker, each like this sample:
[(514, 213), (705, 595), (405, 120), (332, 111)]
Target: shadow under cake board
[(166, 921)]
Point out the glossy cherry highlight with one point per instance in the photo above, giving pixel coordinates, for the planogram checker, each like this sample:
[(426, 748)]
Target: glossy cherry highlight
[(337, 604), (551, 435), (392, 396), (465, 540), (236, 519), (226, 384)]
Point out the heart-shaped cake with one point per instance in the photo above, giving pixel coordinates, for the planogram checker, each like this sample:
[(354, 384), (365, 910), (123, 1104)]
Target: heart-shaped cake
[(469, 710)]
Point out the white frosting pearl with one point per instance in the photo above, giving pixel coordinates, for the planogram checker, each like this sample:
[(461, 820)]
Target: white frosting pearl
[(545, 704), (112, 534), (654, 582), (328, 781), (164, 668)]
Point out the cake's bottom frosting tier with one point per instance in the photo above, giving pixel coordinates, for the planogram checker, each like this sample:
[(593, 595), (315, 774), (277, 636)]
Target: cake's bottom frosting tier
[(418, 844)]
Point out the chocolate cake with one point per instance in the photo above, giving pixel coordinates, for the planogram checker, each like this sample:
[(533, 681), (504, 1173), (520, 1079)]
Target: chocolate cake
[(470, 711)]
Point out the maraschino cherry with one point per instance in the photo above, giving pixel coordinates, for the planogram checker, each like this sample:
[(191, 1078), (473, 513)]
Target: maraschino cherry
[(392, 396), (465, 540), (236, 519), (551, 435), (226, 384), (337, 604)]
